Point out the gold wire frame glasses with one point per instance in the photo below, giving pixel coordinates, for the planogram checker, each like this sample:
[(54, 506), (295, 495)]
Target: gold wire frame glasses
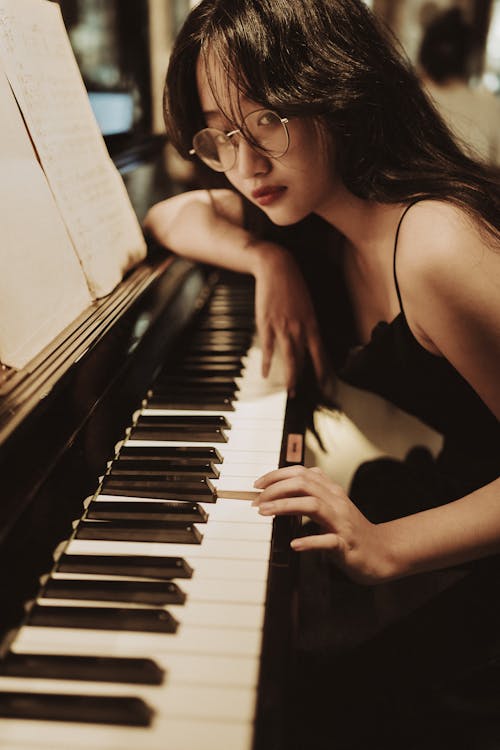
[(263, 129)]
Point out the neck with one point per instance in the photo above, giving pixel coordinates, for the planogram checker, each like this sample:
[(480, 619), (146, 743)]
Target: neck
[(367, 225)]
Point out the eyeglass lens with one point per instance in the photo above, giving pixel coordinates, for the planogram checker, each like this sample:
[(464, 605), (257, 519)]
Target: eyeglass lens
[(264, 130)]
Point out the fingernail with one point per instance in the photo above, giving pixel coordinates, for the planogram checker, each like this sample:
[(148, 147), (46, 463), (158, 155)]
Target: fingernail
[(266, 508), (258, 483), (296, 544)]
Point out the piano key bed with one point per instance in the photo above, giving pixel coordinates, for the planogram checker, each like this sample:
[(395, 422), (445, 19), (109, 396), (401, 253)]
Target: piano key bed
[(149, 631)]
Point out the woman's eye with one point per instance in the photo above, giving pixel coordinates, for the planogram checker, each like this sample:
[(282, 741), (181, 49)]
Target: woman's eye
[(221, 139), (265, 119)]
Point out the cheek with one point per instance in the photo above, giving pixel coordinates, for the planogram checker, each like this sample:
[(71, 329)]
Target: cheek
[(232, 177)]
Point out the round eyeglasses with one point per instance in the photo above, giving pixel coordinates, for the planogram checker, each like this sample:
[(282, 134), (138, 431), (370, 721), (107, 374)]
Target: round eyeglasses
[(263, 129)]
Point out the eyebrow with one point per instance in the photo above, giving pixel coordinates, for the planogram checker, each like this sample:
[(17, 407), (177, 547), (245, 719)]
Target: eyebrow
[(218, 119)]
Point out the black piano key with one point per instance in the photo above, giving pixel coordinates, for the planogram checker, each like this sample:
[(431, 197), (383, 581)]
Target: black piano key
[(228, 306), (155, 464), (183, 392), (189, 434), (194, 370), (179, 390), (183, 452), (104, 618), (156, 476), (217, 348), (163, 489), (101, 709), (194, 401), (94, 668), (184, 483), (213, 346), (139, 592), (161, 532), (214, 358), (226, 323), (184, 380), (143, 511), (242, 338), (141, 566), (183, 420)]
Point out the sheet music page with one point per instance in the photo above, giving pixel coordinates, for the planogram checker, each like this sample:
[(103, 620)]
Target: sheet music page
[(40, 65), (42, 285)]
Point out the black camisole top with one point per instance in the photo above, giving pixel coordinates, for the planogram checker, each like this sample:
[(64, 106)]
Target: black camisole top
[(396, 366)]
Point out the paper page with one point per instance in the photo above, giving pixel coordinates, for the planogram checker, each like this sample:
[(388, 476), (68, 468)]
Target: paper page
[(40, 65), (42, 285)]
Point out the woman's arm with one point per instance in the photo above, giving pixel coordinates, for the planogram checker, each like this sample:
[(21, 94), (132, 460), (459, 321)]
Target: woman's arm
[(207, 226), (451, 534), (449, 275)]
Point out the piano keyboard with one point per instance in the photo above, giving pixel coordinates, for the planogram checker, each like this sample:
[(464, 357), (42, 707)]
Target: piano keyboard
[(148, 632)]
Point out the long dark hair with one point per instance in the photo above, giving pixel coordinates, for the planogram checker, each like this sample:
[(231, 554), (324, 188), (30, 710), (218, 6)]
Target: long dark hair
[(332, 60)]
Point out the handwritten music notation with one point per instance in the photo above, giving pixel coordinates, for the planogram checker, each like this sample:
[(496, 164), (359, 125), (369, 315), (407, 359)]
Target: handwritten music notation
[(44, 76)]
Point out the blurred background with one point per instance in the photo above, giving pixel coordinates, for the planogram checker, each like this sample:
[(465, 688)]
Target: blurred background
[(123, 46)]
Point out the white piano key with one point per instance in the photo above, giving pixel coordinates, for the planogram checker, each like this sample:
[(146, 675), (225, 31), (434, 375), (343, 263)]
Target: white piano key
[(188, 639), (204, 589), (217, 549), (237, 569), (177, 701), (200, 669), (250, 441), (236, 487), (244, 456), (225, 509), (165, 734), (243, 531), (248, 470), (236, 511), (244, 416), (247, 592)]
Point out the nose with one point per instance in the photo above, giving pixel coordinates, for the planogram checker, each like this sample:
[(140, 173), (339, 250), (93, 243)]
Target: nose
[(250, 162)]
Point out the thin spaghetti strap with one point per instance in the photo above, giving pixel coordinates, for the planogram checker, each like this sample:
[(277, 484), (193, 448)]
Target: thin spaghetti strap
[(395, 248)]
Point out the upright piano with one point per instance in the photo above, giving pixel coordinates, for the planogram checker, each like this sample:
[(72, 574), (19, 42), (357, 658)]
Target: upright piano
[(144, 602)]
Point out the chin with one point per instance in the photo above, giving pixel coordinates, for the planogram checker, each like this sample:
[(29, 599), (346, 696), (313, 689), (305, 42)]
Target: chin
[(285, 218)]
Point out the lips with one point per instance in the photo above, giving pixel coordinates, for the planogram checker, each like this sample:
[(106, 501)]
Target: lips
[(265, 195)]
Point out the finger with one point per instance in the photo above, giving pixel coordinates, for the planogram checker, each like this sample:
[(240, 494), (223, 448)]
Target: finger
[(277, 475), (326, 482), (289, 361), (318, 541), (266, 335), (293, 506)]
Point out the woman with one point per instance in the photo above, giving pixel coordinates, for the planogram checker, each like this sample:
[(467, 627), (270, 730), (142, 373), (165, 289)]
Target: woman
[(377, 255)]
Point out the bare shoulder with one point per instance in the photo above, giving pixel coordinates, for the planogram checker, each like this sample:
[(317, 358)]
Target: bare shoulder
[(443, 250), (449, 276)]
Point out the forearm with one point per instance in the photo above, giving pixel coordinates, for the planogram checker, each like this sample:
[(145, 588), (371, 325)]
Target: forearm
[(451, 534), (194, 226)]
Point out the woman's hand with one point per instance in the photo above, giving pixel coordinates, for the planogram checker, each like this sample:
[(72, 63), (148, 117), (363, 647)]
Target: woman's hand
[(285, 315), (358, 546)]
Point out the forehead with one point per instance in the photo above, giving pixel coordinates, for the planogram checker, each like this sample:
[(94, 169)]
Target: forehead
[(216, 91)]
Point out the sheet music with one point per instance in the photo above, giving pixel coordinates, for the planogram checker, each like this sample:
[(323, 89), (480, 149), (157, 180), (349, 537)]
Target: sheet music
[(42, 285), (89, 191)]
